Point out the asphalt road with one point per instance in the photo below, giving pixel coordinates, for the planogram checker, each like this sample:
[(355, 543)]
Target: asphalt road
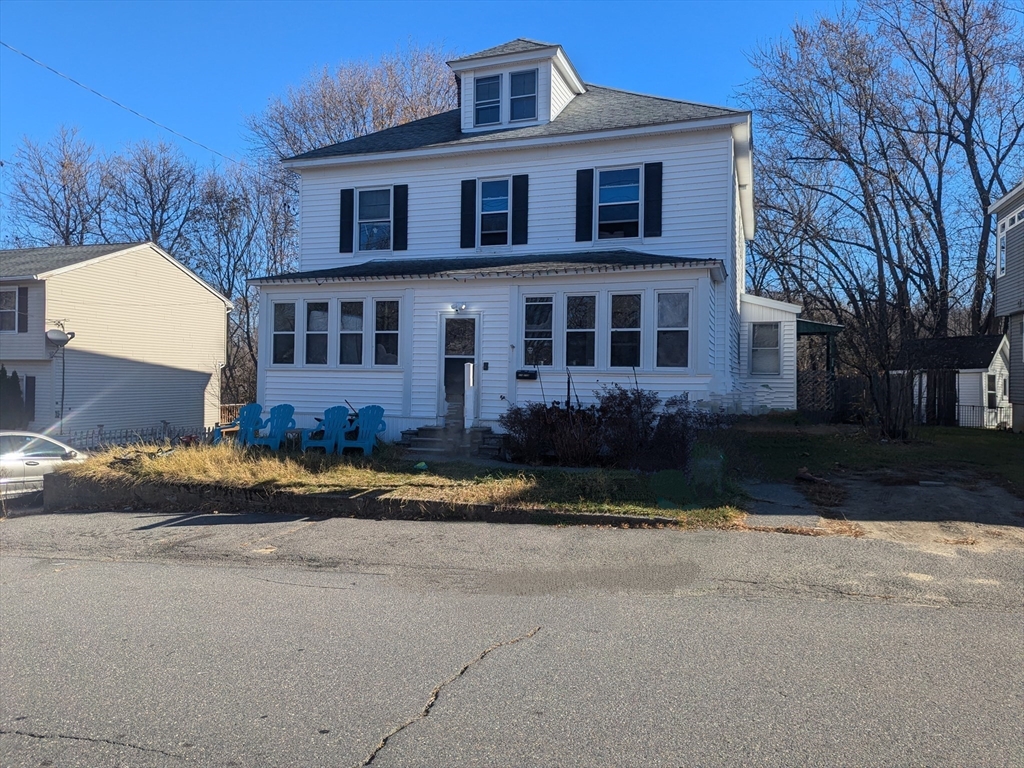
[(137, 639)]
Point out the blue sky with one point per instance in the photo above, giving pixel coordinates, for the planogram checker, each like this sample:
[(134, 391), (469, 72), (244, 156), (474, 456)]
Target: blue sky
[(201, 67)]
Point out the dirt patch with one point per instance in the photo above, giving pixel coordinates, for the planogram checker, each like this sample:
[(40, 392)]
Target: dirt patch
[(934, 511)]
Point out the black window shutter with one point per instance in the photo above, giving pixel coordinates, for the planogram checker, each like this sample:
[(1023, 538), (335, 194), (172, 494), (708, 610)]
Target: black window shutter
[(347, 220), (400, 241), (520, 209), (467, 238), (23, 309), (30, 397), (652, 199), (584, 205)]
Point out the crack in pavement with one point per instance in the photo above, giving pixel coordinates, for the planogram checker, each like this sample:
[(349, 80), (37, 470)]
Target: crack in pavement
[(434, 694), (296, 584), (31, 735)]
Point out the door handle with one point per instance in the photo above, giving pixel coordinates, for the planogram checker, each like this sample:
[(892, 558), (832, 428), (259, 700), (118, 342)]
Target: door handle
[(31, 463)]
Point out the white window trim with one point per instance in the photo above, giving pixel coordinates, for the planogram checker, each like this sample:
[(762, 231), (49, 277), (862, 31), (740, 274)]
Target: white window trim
[(687, 328), (361, 332), (1011, 220), (305, 332), (645, 334), (566, 330), (640, 203), (501, 94), (372, 362), (294, 333), (480, 214), (750, 350), (16, 308), (391, 220), (536, 95), (556, 322)]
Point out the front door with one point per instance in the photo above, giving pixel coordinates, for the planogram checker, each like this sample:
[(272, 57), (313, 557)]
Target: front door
[(459, 348)]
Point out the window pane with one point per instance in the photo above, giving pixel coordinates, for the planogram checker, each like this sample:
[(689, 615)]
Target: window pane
[(375, 204), (387, 316), (538, 320), (43, 449), (284, 348), (316, 348), (284, 317), (387, 349), (7, 321), (626, 348), (351, 315), (8, 300), (494, 196), (488, 115), (580, 312), (316, 316), (494, 222), (459, 336), (538, 352), (765, 335), (622, 212), (524, 83), (606, 231), (524, 108), (619, 186), (672, 349), (626, 311), (375, 237), (579, 348), (673, 310), (488, 89), (764, 361), (351, 349)]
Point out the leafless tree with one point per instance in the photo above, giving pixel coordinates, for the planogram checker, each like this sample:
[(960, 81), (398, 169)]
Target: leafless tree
[(884, 135), (56, 191), (356, 98), (151, 193)]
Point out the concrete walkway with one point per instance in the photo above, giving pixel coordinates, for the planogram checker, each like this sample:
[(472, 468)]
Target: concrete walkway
[(779, 504)]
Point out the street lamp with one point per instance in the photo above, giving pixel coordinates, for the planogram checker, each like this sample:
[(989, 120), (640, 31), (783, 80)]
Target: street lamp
[(60, 340)]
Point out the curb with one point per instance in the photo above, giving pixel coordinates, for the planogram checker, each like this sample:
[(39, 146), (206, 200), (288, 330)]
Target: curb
[(63, 493)]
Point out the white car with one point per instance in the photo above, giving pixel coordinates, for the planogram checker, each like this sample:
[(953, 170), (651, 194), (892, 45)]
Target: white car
[(25, 457)]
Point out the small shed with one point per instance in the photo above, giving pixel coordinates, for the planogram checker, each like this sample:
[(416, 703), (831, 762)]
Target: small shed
[(959, 380)]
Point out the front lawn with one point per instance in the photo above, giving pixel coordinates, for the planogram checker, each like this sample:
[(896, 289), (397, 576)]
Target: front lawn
[(581, 491)]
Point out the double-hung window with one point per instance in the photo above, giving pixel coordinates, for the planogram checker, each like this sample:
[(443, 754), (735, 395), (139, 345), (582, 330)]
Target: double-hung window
[(537, 341), (673, 342), (350, 336), (385, 336), (9, 310), (316, 332), (284, 333), (625, 330), (375, 220), (523, 95), (494, 210), (580, 330), (487, 100), (618, 203), (764, 349), (992, 400)]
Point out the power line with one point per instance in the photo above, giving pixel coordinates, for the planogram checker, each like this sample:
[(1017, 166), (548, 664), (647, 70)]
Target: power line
[(116, 103)]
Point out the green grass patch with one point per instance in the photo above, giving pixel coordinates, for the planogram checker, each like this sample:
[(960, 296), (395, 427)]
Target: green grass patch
[(389, 476)]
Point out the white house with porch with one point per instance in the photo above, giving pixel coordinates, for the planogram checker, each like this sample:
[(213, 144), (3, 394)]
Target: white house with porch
[(552, 234)]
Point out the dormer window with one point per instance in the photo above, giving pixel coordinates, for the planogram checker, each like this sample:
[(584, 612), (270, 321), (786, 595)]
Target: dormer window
[(523, 98), (488, 100)]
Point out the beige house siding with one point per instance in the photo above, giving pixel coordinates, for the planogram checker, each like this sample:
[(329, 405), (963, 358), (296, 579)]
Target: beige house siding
[(149, 343)]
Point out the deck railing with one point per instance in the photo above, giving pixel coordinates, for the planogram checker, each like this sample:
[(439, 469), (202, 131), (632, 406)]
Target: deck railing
[(99, 438), (980, 417)]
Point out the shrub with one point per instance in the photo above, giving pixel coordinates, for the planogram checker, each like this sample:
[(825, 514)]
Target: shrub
[(529, 431), (627, 418)]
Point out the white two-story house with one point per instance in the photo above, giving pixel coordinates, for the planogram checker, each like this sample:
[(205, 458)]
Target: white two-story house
[(557, 235)]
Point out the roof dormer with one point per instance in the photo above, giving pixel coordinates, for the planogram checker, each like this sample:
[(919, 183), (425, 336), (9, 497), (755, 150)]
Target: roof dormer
[(517, 84)]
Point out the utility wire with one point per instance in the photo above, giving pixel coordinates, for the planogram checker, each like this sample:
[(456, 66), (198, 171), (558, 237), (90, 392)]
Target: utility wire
[(117, 103)]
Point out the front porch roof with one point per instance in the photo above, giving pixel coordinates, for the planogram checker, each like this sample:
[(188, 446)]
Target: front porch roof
[(470, 267)]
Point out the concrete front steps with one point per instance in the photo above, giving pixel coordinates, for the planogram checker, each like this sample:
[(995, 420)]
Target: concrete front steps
[(452, 442)]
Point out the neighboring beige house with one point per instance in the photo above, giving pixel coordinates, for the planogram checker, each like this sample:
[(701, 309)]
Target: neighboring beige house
[(149, 342)]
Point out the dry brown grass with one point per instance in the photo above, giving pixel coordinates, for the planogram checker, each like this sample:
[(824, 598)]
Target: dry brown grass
[(597, 491)]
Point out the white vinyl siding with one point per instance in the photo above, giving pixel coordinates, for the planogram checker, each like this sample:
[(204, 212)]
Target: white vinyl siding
[(771, 390), (697, 215)]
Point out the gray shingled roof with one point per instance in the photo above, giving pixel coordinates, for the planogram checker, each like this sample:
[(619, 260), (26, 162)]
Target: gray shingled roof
[(469, 266), (954, 353), (599, 109), (519, 45), (25, 262)]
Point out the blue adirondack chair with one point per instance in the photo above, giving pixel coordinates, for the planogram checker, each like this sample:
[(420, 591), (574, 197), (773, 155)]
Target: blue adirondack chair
[(278, 423), (334, 422), (362, 433), (248, 421)]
